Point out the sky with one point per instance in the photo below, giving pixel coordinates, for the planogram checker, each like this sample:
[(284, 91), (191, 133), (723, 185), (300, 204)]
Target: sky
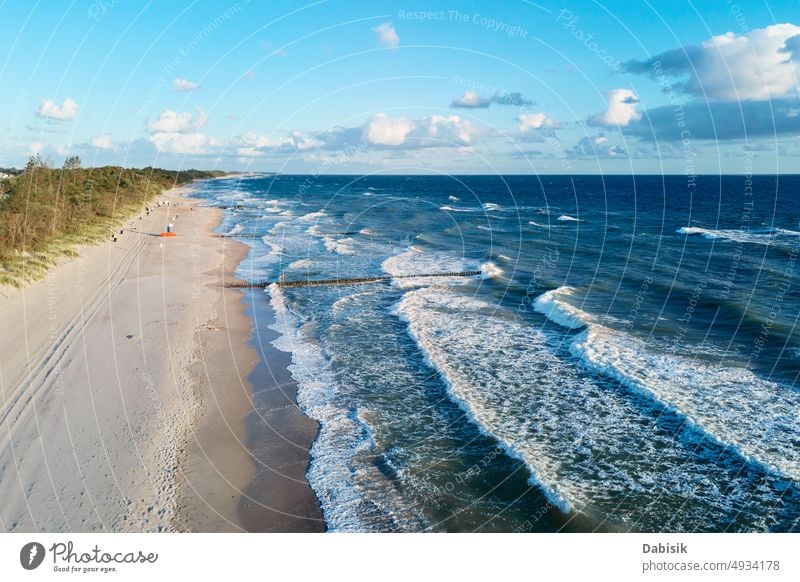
[(404, 87)]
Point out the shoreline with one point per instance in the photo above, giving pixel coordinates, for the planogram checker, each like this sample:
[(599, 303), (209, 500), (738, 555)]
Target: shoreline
[(279, 497), (259, 421), (125, 385)]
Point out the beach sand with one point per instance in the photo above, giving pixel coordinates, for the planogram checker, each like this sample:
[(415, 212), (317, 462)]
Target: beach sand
[(125, 391)]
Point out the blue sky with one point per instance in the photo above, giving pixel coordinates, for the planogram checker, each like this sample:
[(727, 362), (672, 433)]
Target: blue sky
[(404, 87)]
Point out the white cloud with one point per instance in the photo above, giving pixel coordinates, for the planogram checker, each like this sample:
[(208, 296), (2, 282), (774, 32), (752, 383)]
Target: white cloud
[(433, 131), (387, 35), (471, 100), (182, 143), (384, 130), (180, 84), (446, 130), (179, 133), (252, 144), (172, 122), (103, 142), (755, 66), (531, 121), (49, 110), (622, 109), (596, 146)]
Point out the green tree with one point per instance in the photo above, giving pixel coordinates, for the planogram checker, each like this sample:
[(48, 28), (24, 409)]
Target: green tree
[(72, 163)]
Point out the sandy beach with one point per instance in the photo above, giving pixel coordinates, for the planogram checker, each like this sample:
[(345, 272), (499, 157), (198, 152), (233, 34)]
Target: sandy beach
[(125, 391)]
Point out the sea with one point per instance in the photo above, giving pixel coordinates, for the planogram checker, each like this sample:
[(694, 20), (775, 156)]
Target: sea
[(627, 358)]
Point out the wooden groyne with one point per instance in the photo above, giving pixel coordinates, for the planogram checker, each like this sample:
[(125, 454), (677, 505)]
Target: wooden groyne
[(349, 281)]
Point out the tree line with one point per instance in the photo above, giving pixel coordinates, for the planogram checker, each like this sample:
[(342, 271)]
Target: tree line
[(42, 204)]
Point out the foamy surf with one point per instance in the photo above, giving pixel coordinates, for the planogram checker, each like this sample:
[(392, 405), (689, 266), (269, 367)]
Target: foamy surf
[(604, 446), (585, 446), (552, 305), (756, 417), (237, 228), (313, 216), (339, 472), (731, 405), (448, 208), (414, 261), (758, 236), (490, 271)]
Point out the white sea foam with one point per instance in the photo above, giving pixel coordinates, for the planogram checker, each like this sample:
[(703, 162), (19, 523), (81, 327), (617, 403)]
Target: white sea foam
[(485, 403), (766, 236), (339, 471), (490, 271), (556, 309), (237, 228), (453, 209), (568, 218), (538, 225), (585, 445), (453, 198), (491, 206), (327, 474), (313, 216), (341, 246), (732, 405), (301, 264), (279, 227), (416, 261)]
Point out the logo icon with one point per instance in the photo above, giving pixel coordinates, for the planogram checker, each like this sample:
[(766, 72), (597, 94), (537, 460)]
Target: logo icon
[(31, 555)]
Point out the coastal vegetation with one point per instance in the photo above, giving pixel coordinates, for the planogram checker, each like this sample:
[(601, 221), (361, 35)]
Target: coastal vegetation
[(46, 212)]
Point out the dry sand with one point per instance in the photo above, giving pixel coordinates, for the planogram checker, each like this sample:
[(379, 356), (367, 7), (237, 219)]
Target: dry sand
[(123, 383)]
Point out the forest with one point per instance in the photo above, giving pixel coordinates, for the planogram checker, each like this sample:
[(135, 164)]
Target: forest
[(45, 212)]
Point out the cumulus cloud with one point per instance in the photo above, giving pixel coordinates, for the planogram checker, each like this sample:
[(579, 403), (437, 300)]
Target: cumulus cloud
[(433, 131), (180, 84), (759, 65), (252, 144), (182, 143), (621, 110), (173, 122), (471, 100), (384, 130), (529, 122), (380, 132), (792, 47), (50, 110), (597, 146), (179, 133), (387, 35), (103, 142)]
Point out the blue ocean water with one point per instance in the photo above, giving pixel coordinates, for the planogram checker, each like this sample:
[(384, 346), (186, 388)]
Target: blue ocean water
[(628, 360)]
